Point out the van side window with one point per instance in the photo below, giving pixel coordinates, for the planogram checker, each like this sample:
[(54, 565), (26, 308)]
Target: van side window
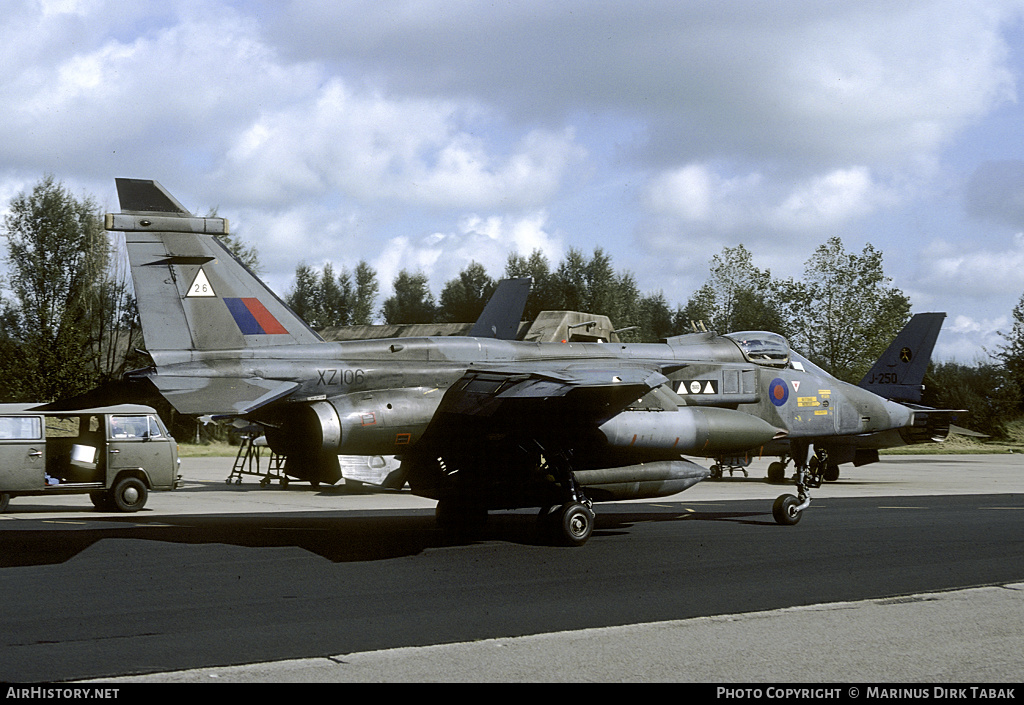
[(129, 427), (20, 428)]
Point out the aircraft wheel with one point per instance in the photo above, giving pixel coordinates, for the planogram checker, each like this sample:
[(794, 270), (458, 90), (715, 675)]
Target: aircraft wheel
[(831, 473), (129, 494), (716, 472), (575, 524), (4, 501), (785, 510), (776, 472)]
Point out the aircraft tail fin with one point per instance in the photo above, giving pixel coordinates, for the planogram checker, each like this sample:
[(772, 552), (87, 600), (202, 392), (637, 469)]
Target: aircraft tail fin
[(504, 310), (899, 372), (192, 292)]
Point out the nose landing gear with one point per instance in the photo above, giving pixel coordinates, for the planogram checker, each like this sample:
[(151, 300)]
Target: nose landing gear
[(788, 509)]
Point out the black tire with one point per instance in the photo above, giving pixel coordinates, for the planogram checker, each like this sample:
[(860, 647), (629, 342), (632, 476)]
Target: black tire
[(101, 500), (5, 499), (831, 473), (129, 494), (776, 472), (575, 524), (784, 510)]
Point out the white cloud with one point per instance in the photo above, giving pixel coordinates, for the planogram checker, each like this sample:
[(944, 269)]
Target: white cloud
[(168, 96), (696, 193), (374, 148), (826, 201), (970, 340), (972, 271), (659, 131), (871, 81), (486, 240), (687, 192)]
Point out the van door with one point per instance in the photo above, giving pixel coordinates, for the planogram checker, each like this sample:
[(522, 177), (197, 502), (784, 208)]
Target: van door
[(22, 453), (138, 441)]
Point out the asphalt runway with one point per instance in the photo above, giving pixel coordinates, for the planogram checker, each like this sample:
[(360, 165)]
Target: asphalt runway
[(910, 569)]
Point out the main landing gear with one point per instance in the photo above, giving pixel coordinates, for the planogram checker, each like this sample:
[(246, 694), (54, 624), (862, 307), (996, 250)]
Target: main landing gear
[(571, 523), (566, 516), (829, 471), (731, 464)]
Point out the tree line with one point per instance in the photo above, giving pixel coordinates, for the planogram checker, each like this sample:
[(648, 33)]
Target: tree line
[(843, 312), (68, 320)]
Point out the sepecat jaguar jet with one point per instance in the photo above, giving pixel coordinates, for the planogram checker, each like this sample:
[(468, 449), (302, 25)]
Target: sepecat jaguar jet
[(481, 422)]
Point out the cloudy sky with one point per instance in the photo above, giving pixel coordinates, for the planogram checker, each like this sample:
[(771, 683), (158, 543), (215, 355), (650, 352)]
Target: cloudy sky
[(427, 134)]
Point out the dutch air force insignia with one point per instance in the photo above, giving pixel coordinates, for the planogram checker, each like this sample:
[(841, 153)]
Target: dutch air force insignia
[(200, 286)]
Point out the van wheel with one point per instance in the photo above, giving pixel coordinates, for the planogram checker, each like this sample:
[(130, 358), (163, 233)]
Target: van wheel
[(129, 494)]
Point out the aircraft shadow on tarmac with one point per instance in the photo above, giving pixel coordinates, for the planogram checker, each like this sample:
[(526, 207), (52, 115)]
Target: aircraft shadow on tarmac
[(352, 536)]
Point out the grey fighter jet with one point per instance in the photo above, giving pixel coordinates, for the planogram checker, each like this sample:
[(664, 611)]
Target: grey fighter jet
[(826, 409), (477, 423)]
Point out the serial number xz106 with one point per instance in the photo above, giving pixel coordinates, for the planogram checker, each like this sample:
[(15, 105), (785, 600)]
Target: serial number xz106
[(337, 377)]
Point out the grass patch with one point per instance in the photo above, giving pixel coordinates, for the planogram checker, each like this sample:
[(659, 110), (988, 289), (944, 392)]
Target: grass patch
[(214, 449)]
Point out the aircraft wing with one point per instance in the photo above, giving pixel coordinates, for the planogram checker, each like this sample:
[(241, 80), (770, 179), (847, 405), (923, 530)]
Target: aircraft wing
[(510, 401), (220, 396)]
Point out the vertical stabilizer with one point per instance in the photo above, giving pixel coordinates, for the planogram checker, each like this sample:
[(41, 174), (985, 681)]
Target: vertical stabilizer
[(504, 310), (899, 372), (193, 294)]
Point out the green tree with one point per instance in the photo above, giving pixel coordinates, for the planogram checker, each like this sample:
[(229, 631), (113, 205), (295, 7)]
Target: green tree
[(303, 296), (322, 299), (544, 294), (737, 296), (1012, 353), (654, 320), (117, 331), (463, 298), (593, 285), (326, 299), (61, 306), (336, 297), (366, 290), (412, 301), (987, 392), (845, 312), (246, 254)]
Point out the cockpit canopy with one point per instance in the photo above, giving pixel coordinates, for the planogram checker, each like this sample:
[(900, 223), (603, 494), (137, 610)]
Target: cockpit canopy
[(762, 348)]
